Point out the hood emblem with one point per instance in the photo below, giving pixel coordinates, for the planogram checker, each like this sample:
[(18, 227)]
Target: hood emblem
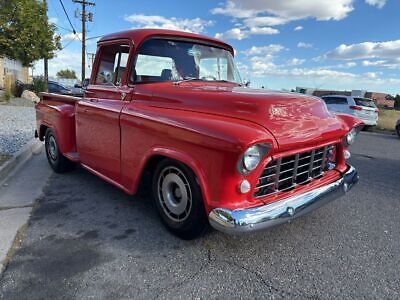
[(277, 111)]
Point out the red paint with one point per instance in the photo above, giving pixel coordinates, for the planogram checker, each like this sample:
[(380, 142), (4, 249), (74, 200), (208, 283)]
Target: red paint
[(207, 126)]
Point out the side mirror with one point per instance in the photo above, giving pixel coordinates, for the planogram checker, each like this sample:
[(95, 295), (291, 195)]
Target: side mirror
[(78, 86)]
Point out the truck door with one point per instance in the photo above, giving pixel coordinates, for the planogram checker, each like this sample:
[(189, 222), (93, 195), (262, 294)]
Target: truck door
[(98, 113)]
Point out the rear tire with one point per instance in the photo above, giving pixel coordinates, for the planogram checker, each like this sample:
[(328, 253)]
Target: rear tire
[(179, 200), (398, 130), (58, 162)]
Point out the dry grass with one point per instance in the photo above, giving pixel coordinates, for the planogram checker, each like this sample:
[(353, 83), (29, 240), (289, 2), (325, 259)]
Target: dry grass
[(387, 119)]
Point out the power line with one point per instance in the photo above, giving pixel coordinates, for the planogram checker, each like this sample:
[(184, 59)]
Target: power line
[(63, 28), (67, 44), (69, 20)]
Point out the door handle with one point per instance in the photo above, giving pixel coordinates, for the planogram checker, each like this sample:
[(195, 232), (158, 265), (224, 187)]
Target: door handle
[(94, 100)]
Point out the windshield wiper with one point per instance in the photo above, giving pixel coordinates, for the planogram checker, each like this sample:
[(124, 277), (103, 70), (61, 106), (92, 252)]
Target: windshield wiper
[(227, 81), (186, 79)]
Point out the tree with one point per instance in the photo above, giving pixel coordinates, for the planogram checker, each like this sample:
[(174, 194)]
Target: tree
[(69, 74), (25, 33), (397, 102), (389, 97)]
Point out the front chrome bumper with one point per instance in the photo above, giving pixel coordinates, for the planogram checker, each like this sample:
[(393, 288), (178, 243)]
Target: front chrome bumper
[(262, 217)]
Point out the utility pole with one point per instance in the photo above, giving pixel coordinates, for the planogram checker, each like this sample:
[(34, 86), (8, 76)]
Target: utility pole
[(91, 57), (46, 62), (85, 17)]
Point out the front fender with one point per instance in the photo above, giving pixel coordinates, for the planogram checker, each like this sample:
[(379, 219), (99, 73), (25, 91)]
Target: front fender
[(210, 145), (349, 121)]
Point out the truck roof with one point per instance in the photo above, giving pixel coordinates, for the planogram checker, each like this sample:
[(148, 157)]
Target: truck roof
[(139, 35)]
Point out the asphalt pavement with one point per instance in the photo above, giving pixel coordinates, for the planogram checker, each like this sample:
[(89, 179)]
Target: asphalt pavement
[(88, 239)]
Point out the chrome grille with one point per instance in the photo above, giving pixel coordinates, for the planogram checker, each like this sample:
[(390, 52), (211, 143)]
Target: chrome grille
[(285, 173)]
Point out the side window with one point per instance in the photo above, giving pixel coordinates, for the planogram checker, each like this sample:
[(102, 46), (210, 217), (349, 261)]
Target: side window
[(154, 67), (112, 64), (365, 102)]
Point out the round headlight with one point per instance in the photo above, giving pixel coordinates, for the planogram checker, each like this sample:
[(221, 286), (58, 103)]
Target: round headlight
[(252, 158), (351, 137)]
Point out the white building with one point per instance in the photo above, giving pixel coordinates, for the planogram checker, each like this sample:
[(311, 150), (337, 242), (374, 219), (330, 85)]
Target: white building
[(10, 67)]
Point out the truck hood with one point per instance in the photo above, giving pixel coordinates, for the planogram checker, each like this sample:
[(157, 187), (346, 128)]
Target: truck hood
[(293, 119)]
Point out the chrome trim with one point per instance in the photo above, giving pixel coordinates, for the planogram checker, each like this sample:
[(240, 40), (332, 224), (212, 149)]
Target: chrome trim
[(289, 172), (262, 217)]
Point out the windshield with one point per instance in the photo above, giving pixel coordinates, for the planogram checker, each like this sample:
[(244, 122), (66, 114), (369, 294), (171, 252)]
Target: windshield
[(168, 60), (365, 102)]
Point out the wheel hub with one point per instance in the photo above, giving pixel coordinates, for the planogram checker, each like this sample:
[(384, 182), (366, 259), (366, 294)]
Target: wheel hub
[(52, 148), (174, 194)]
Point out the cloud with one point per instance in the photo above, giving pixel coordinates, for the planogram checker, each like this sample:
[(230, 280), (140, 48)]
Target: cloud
[(368, 63), (53, 20), (304, 45), (371, 75), (377, 3), (264, 50), (260, 16), (296, 62), (289, 9), (261, 68), (65, 59), (195, 25), (71, 37), (298, 28), (239, 34), (263, 30), (390, 64), (234, 34), (265, 21), (366, 50), (348, 65)]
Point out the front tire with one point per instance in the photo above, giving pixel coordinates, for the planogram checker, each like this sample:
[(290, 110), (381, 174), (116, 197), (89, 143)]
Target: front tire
[(58, 162), (178, 199)]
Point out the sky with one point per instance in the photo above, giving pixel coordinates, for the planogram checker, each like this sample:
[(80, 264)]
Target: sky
[(324, 44)]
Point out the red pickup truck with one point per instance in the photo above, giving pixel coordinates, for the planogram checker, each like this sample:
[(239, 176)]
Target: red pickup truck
[(173, 104)]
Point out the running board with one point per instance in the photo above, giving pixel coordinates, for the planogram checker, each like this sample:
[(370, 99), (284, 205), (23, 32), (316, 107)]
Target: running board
[(73, 156)]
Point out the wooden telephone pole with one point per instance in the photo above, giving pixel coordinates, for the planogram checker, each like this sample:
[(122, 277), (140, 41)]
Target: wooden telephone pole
[(85, 17), (46, 62)]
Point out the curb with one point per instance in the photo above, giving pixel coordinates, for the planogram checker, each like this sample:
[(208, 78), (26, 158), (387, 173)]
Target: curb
[(19, 158), (388, 133)]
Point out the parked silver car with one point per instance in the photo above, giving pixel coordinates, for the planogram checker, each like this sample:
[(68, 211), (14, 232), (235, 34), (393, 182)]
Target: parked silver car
[(362, 108)]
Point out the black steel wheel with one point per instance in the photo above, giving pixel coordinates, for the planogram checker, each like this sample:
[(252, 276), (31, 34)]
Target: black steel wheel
[(58, 162)]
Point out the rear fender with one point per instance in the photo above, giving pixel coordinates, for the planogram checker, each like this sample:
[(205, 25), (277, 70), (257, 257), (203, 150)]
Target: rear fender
[(60, 117)]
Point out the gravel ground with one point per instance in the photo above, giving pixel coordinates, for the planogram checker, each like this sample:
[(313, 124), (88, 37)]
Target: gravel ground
[(17, 127)]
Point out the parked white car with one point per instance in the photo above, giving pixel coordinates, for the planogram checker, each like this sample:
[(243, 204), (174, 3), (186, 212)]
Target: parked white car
[(362, 108)]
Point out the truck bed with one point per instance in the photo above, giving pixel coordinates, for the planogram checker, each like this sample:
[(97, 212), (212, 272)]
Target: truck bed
[(58, 113)]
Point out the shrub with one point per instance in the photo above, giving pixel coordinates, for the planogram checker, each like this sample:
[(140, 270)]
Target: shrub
[(38, 85), (7, 95)]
